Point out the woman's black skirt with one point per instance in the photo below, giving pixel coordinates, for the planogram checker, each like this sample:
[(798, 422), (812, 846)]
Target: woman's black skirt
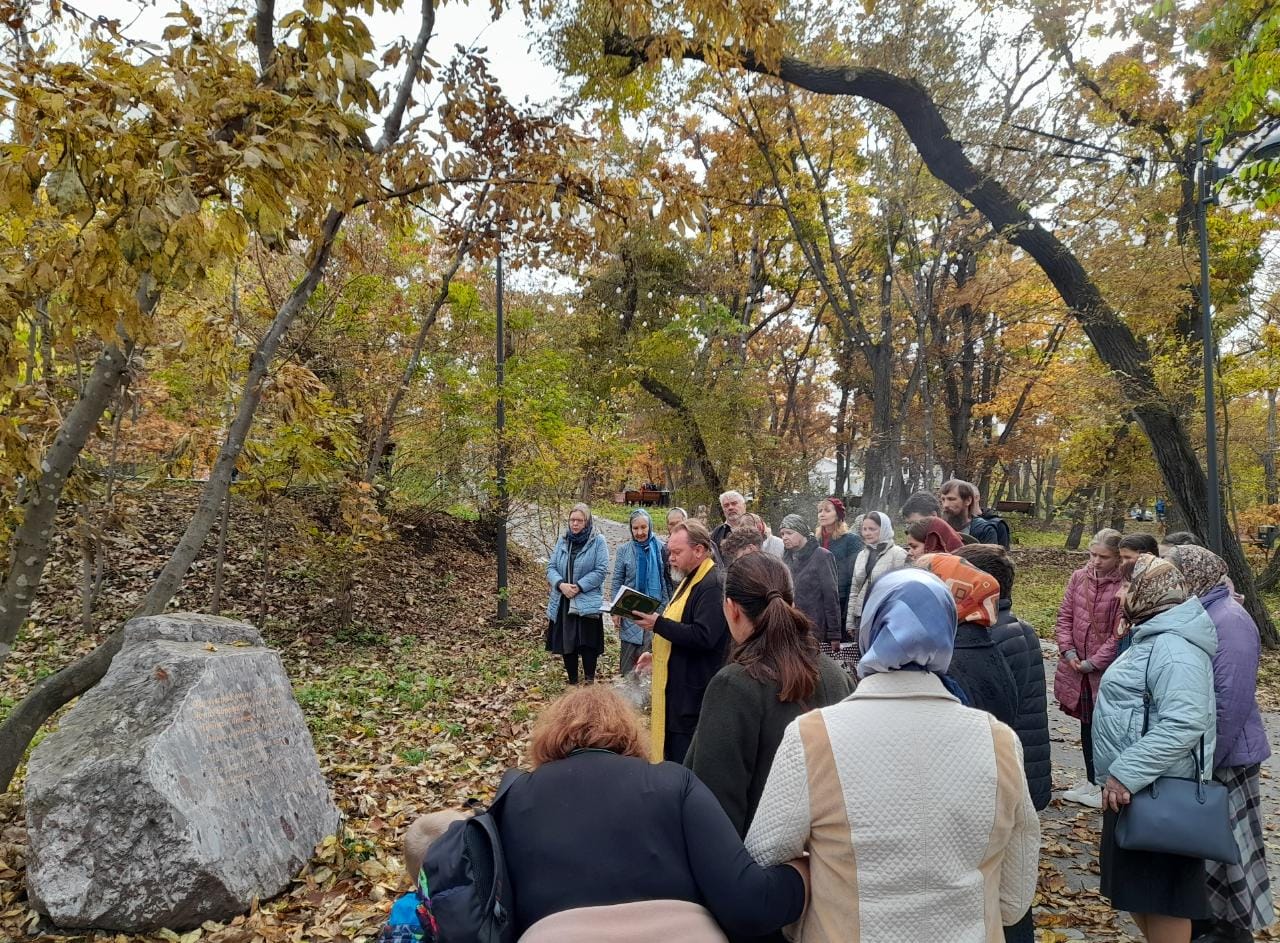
[(569, 633), (1150, 882)]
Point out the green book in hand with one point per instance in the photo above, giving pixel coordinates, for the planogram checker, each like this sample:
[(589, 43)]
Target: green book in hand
[(628, 600)]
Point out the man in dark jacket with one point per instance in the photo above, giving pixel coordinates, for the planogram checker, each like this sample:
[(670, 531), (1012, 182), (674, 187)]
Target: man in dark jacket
[(699, 640), (733, 505), (962, 509), (1020, 646)]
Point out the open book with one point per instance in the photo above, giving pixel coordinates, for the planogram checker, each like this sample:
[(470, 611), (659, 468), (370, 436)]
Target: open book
[(628, 600)]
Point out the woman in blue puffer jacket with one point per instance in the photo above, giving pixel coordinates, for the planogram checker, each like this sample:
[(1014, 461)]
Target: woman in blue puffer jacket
[(576, 572), (1174, 641), (1239, 894)]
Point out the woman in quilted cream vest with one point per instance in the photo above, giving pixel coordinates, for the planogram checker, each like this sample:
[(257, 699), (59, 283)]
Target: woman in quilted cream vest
[(914, 808)]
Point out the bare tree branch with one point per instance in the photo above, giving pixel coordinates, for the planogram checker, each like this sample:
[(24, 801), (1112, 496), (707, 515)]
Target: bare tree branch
[(395, 118)]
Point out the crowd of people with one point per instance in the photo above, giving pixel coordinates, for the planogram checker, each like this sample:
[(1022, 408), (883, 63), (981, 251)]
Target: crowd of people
[(850, 735)]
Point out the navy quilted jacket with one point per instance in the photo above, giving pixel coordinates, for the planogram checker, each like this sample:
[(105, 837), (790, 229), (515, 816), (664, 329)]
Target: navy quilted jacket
[(1020, 646)]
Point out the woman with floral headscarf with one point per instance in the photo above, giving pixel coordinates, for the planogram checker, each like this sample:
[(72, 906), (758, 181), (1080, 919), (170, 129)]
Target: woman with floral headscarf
[(1239, 894), (640, 563), (976, 665), (901, 778), (1154, 717)]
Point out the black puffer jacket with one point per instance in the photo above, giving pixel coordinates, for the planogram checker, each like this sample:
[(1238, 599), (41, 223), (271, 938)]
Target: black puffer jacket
[(1020, 646), (980, 669)]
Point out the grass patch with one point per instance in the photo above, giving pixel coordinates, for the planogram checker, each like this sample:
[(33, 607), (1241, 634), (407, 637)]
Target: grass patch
[(619, 512), (1024, 534), (1037, 594), (463, 512)]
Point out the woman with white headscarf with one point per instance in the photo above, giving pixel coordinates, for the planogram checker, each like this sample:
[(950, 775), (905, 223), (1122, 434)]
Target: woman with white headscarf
[(914, 808), (878, 556)]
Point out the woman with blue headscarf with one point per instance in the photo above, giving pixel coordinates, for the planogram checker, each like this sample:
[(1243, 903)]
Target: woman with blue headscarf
[(640, 563), (914, 808)]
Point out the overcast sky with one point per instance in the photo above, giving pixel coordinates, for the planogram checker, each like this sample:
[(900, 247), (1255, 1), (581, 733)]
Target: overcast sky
[(517, 68)]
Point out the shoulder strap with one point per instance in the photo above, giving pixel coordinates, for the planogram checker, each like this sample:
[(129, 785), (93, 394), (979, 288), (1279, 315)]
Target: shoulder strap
[(508, 780)]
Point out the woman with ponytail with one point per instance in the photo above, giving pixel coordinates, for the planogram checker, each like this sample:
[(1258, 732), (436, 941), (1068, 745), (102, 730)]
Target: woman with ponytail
[(775, 673)]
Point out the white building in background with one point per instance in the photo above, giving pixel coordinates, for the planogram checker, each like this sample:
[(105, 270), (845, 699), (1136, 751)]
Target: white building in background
[(822, 477)]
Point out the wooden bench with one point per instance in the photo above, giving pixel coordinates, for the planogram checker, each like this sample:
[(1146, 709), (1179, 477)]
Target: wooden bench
[(644, 497)]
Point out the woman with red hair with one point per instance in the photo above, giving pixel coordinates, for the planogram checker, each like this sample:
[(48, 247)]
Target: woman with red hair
[(834, 535), (602, 844)]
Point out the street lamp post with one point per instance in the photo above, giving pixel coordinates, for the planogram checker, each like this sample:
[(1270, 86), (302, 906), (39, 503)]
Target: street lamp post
[(501, 460), (1205, 195), (1208, 175)]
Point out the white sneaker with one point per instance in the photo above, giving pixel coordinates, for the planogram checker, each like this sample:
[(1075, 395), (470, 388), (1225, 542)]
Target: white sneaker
[(1090, 796)]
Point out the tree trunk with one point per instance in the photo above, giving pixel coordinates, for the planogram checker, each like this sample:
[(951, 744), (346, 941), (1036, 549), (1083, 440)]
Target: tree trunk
[(220, 558), (1050, 487), (379, 444), (669, 397), (32, 540), (1078, 512), (927, 479), (81, 675), (215, 488)]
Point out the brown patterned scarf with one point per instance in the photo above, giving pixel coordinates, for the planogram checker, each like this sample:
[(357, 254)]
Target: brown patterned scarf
[(1202, 569), (1155, 586)]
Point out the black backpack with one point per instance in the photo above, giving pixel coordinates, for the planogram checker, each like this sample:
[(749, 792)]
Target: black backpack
[(1002, 529), (468, 895)]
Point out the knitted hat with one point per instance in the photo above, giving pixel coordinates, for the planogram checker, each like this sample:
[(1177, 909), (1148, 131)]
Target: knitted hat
[(838, 505), (797, 523)]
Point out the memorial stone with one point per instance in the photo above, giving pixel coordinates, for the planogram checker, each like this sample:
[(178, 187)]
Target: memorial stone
[(179, 789)]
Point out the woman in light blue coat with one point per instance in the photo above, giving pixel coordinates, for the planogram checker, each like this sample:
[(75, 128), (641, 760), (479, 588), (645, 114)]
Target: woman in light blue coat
[(1174, 641), (576, 572), (640, 563)]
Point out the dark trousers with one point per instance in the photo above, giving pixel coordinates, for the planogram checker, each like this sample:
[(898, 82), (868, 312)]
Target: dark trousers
[(676, 746), (1024, 931), (1086, 744), (628, 657), (589, 659)]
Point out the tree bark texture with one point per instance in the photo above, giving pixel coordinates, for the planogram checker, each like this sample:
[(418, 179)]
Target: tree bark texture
[(32, 540)]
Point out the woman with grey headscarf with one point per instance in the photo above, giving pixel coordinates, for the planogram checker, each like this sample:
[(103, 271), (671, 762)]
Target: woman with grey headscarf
[(576, 574), (813, 574), (879, 556), (901, 778)]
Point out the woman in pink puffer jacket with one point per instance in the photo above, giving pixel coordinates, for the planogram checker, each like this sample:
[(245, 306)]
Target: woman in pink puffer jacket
[(1087, 643)]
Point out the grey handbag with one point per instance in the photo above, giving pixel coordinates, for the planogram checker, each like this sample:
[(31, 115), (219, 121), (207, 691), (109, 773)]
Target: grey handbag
[(1176, 815)]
